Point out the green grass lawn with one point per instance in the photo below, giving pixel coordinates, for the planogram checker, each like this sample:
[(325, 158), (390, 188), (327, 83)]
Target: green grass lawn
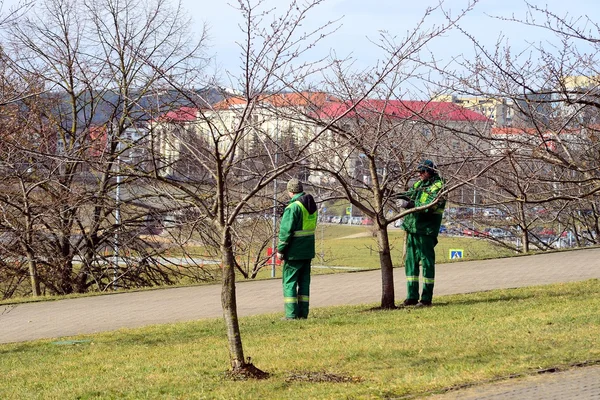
[(355, 247), (341, 352), (339, 245)]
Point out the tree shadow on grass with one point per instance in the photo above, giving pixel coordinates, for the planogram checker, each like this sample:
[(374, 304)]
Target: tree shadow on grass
[(488, 297), (320, 376)]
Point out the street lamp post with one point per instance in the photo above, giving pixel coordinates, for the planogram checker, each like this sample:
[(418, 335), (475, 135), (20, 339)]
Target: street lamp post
[(117, 220), (117, 224), (473, 215), (274, 244)]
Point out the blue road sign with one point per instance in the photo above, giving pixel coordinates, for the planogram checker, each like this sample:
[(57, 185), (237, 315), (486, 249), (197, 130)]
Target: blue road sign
[(456, 254)]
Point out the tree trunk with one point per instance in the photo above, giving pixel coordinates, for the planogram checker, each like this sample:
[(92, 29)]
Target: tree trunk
[(239, 366), (31, 259), (525, 240), (525, 230), (65, 282), (35, 283), (229, 304), (387, 270)]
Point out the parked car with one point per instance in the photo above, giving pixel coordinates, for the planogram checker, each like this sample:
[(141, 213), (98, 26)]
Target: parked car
[(468, 232), (463, 213), (493, 213), (547, 232), (472, 232), (497, 233), (356, 220), (325, 218)]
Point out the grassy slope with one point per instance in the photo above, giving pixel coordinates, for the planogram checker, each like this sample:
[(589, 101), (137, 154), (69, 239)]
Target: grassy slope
[(343, 246), (464, 339)]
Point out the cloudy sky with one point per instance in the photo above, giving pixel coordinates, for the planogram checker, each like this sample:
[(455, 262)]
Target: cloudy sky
[(361, 20)]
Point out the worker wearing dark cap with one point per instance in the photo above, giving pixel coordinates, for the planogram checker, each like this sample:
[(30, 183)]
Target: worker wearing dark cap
[(422, 228)]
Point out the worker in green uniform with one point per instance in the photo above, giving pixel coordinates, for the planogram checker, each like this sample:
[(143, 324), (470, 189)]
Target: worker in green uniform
[(297, 248), (422, 228)]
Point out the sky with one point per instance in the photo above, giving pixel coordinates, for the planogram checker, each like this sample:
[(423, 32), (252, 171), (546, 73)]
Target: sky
[(361, 21)]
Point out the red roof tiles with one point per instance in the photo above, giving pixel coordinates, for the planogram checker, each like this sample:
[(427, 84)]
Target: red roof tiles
[(410, 109), (182, 114)]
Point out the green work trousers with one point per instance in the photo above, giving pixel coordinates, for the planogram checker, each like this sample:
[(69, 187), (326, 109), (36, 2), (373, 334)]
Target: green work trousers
[(296, 288), (420, 250)]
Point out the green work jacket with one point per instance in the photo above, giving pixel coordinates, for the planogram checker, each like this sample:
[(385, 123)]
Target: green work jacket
[(428, 221), (297, 228)]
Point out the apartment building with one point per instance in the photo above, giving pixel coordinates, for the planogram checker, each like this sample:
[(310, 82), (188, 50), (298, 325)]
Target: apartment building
[(500, 110), (275, 123), (291, 121), (406, 130)]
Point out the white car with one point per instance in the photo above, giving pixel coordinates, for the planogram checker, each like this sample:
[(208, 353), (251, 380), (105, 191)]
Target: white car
[(498, 233)]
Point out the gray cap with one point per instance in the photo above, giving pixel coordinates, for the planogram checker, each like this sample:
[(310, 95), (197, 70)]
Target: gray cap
[(295, 186)]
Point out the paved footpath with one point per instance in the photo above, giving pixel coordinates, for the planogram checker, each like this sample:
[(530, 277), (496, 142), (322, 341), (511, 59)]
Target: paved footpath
[(54, 319)]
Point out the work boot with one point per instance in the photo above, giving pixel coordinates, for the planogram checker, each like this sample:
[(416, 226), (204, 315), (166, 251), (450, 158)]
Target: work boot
[(410, 302), (423, 303)]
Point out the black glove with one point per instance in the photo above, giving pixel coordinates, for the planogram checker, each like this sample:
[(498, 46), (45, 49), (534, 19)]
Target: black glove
[(402, 196)]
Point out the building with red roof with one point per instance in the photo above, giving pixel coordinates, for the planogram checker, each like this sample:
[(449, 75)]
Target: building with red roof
[(291, 119), (409, 129), (284, 117), (182, 114), (411, 110)]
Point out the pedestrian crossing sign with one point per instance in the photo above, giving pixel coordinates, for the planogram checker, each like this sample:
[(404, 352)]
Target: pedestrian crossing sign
[(455, 254)]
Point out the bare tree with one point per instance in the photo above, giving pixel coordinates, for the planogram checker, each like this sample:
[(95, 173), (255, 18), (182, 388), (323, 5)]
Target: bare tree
[(84, 139), (550, 131), (381, 135), (238, 154)]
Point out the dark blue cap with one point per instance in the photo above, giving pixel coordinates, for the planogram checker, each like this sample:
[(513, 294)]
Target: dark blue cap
[(426, 165)]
